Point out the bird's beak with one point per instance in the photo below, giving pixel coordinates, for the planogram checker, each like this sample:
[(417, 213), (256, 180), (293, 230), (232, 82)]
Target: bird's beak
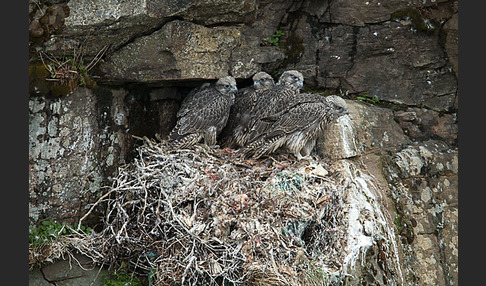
[(234, 88), (301, 84), (256, 83)]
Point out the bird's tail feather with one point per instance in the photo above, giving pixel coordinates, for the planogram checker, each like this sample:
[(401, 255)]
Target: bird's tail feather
[(262, 146), (184, 141)]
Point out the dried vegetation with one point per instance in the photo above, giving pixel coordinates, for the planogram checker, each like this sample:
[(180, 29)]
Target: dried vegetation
[(203, 217)]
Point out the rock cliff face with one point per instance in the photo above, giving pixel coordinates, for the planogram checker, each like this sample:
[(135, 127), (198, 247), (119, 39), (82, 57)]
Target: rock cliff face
[(399, 57)]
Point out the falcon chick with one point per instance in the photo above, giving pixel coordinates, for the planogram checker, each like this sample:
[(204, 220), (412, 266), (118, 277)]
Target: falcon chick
[(203, 114), (297, 128), (237, 125), (272, 101)]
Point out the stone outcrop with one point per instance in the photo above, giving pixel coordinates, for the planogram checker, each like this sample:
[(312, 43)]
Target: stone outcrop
[(419, 183), (423, 182), (401, 54), (77, 142), (100, 23), (72, 153), (368, 128), (184, 50)]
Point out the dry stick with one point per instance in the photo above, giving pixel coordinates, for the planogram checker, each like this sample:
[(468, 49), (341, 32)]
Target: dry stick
[(99, 201), (97, 58), (93, 206), (97, 274)]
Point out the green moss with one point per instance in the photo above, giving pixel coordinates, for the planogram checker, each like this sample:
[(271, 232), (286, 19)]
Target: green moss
[(373, 99), (398, 222), (274, 39), (121, 278)]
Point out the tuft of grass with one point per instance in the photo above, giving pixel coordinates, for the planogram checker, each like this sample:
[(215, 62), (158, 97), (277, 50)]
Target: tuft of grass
[(373, 99), (70, 70)]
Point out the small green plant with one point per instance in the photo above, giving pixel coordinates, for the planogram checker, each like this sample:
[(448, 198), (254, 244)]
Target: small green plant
[(47, 231), (373, 99), (275, 38), (121, 278), (398, 223), (50, 230)]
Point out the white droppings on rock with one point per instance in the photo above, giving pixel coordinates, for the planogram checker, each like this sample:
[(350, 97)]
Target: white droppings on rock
[(364, 197)]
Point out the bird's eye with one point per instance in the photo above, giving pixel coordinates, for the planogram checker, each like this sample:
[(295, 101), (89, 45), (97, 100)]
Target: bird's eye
[(226, 86), (262, 80)]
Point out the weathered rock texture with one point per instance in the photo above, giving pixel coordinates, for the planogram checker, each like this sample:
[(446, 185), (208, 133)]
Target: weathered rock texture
[(77, 142), (423, 180), (402, 54), (72, 153), (419, 185), (79, 271)]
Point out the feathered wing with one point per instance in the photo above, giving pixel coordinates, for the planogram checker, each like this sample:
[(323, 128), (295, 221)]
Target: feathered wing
[(273, 101), (292, 129), (197, 97), (201, 116), (244, 102), (243, 112)]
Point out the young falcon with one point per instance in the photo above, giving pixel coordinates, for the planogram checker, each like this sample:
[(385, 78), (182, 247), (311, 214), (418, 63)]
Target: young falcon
[(297, 128), (203, 114), (237, 126), (273, 101)]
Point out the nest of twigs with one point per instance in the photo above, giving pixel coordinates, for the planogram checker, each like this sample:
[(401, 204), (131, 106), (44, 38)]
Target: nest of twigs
[(204, 217)]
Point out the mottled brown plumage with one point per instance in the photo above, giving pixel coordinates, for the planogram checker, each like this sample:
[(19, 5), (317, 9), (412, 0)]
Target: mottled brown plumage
[(203, 114), (297, 128), (272, 102), (237, 125)]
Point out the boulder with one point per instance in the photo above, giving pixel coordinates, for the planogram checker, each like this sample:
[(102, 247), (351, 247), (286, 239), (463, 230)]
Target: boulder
[(78, 271), (367, 128), (339, 140), (179, 50)]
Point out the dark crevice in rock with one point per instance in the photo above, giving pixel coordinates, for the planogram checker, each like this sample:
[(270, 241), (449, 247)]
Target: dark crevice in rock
[(354, 49), (328, 11), (223, 24)]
